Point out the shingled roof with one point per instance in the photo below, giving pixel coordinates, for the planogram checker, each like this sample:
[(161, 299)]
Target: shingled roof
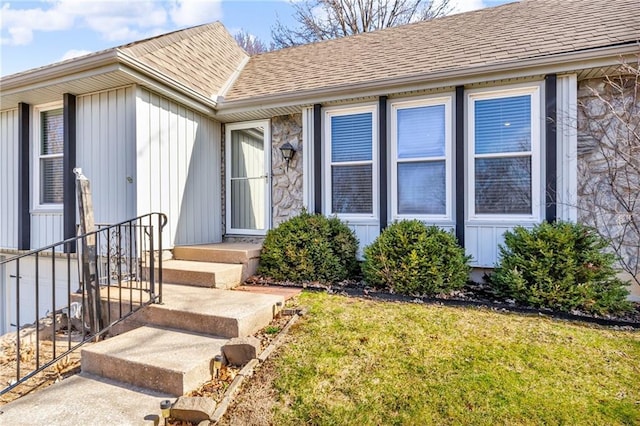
[(504, 34), (203, 58)]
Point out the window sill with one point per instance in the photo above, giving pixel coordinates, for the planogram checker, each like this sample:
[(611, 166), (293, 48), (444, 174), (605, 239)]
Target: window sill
[(504, 219), (52, 209)]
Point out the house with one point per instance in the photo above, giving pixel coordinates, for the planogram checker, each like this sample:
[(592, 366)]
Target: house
[(468, 122)]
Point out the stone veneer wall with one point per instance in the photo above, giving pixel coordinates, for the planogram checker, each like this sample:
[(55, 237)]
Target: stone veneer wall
[(596, 123), (286, 185)]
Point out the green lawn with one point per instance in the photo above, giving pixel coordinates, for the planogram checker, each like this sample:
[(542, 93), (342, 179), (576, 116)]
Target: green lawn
[(352, 361)]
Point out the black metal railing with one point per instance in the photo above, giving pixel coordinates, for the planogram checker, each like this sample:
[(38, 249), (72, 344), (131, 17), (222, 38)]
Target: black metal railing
[(58, 302)]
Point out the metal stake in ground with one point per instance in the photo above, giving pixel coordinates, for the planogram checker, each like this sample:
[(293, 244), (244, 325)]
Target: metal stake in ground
[(87, 225)]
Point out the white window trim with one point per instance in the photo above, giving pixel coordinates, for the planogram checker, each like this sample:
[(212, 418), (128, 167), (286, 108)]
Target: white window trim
[(537, 207), (36, 134), (375, 187), (447, 101), (267, 169)]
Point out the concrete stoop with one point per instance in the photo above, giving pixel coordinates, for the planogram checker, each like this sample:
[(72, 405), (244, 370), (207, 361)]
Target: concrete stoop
[(162, 359), (201, 274), (225, 313), (245, 254)]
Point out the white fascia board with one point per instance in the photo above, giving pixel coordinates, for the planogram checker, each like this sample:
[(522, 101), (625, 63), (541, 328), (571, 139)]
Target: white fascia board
[(168, 91), (58, 72), (561, 63)]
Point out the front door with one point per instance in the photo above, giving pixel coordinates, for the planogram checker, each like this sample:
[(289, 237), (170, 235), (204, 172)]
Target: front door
[(247, 170)]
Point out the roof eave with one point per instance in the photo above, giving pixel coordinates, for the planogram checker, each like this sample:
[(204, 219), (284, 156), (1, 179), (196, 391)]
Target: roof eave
[(58, 70), (559, 63), (100, 62)]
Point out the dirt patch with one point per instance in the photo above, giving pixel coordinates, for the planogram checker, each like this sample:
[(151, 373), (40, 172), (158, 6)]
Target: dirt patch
[(65, 367), (254, 404), (217, 386)]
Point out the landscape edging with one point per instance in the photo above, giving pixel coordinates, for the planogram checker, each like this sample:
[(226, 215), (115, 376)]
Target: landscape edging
[(248, 369)]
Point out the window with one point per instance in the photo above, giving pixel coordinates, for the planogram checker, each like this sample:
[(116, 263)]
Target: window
[(351, 158), (421, 155), (50, 154), (504, 153)]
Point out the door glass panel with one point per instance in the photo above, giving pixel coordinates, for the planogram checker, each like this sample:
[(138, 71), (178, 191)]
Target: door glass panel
[(247, 153), (248, 180)]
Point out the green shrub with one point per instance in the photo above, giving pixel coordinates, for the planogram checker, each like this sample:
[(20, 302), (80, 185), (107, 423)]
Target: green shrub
[(310, 248), (411, 258), (561, 266)]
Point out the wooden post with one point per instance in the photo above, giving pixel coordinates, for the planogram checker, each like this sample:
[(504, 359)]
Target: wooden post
[(87, 224)]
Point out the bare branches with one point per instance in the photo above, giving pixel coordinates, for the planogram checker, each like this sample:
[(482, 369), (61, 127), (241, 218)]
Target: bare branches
[(327, 19), (609, 172), (250, 43)]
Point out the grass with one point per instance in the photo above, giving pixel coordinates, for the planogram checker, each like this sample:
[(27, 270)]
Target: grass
[(361, 362)]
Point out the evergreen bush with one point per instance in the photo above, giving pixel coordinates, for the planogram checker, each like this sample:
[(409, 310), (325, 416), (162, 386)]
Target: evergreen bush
[(561, 266), (310, 247), (411, 258)]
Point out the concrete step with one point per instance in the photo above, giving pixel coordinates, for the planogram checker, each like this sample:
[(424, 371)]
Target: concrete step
[(226, 313), (85, 399), (201, 274), (162, 359), (246, 254)]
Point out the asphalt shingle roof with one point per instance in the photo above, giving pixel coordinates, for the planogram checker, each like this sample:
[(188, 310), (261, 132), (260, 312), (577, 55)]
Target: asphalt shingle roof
[(203, 58), (515, 31)]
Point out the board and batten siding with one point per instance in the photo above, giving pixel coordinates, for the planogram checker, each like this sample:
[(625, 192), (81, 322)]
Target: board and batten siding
[(106, 151), (9, 179), (178, 162)]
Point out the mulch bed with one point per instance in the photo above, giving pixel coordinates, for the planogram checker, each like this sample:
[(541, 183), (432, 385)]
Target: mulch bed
[(473, 294)]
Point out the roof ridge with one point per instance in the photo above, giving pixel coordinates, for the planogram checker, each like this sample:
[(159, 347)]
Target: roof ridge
[(518, 31), (379, 31), (147, 41)]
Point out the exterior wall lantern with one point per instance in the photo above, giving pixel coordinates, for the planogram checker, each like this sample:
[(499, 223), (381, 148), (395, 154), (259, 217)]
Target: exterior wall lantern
[(288, 152)]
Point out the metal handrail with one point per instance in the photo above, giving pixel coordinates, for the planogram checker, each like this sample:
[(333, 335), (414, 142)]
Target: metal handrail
[(125, 261)]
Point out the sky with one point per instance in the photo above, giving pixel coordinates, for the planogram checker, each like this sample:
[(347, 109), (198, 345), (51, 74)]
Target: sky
[(37, 33)]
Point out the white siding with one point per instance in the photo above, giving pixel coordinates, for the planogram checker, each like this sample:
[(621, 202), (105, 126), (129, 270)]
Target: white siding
[(9, 179), (106, 151), (308, 200), (178, 163), (567, 147), (366, 233), (46, 229), (481, 242), (28, 289)]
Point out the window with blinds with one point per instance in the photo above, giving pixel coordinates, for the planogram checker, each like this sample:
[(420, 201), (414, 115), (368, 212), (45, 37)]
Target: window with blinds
[(503, 154), (421, 143), (352, 156), (51, 157)]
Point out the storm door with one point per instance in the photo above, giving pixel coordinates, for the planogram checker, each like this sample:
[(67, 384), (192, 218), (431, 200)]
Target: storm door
[(247, 171)]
